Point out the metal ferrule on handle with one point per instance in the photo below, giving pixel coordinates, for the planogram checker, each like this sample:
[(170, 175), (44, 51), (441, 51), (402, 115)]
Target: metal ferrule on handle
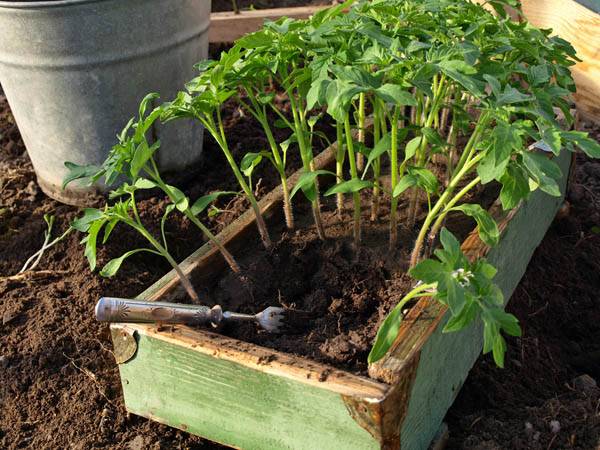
[(109, 309)]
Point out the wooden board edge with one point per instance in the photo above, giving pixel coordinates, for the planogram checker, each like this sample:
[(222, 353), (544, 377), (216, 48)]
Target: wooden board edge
[(228, 26), (264, 360), (579, 25)]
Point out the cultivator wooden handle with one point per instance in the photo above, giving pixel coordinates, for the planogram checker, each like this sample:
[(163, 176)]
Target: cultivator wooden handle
[(109, 309)]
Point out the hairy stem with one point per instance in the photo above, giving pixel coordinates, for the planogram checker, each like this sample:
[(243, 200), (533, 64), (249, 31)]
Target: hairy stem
[(437, 225), (228, 257), (339, 164), (307, 162), (354, 174), (260, 113), (394, 180), (416, 253), (376, 167), (185, 282), (360, 160), (260, 221)]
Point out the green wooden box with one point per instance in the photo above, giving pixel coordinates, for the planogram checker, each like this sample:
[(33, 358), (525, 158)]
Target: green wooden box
[(245, 396)]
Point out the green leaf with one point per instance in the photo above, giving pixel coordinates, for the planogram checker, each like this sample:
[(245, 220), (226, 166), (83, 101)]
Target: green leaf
[(433, 136), (499, 350), (113, 266), (539, 74), (90, 215), (142, 154), (515, 187), (317, 93), (454, 294), (463, 318), (77, 172), (508, 322), (411, 147), (178, 198), (347, 187), (249, 162), (144, 183), (203, 202), (588, 145), (511, 96), (108, 229), (494, 84), (254, 40), (90, 241), (457, 65), (504, 141), (490, 331), (407, 181), (415, 46), (425, 179), (487, 227), (380, 148), (149, 98), (386, 335), (394, 94), (471, 84), (552, 138), (306, 181), (544, 172), (339, 97), (429, 271), (449, 242)]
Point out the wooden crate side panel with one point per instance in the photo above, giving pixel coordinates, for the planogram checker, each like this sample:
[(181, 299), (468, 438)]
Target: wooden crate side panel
[(228, 26), (446, 359), (228, 403), (581, 27)]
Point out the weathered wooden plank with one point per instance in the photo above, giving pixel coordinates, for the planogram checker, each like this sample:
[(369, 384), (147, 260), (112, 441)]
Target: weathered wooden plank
[(263, 360), (226, 402), (580, 26), (228, 26), (446, 359)]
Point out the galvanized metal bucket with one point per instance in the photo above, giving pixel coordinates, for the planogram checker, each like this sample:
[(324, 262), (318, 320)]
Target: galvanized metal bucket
[(74, 72)]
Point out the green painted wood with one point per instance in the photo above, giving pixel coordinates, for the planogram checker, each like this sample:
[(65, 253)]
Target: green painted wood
[(446, 359), (232, 404), (594, 5)]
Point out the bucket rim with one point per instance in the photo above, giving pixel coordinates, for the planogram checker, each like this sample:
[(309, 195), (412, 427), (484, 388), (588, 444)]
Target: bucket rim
[(42, 4)]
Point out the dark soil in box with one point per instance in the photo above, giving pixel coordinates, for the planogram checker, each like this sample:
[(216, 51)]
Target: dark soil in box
[(348, 292)]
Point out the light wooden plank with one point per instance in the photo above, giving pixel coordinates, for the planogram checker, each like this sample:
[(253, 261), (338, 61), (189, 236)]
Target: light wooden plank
[(228, 403), (228, 26), (580, 26), (446, 359), (265, 360)]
